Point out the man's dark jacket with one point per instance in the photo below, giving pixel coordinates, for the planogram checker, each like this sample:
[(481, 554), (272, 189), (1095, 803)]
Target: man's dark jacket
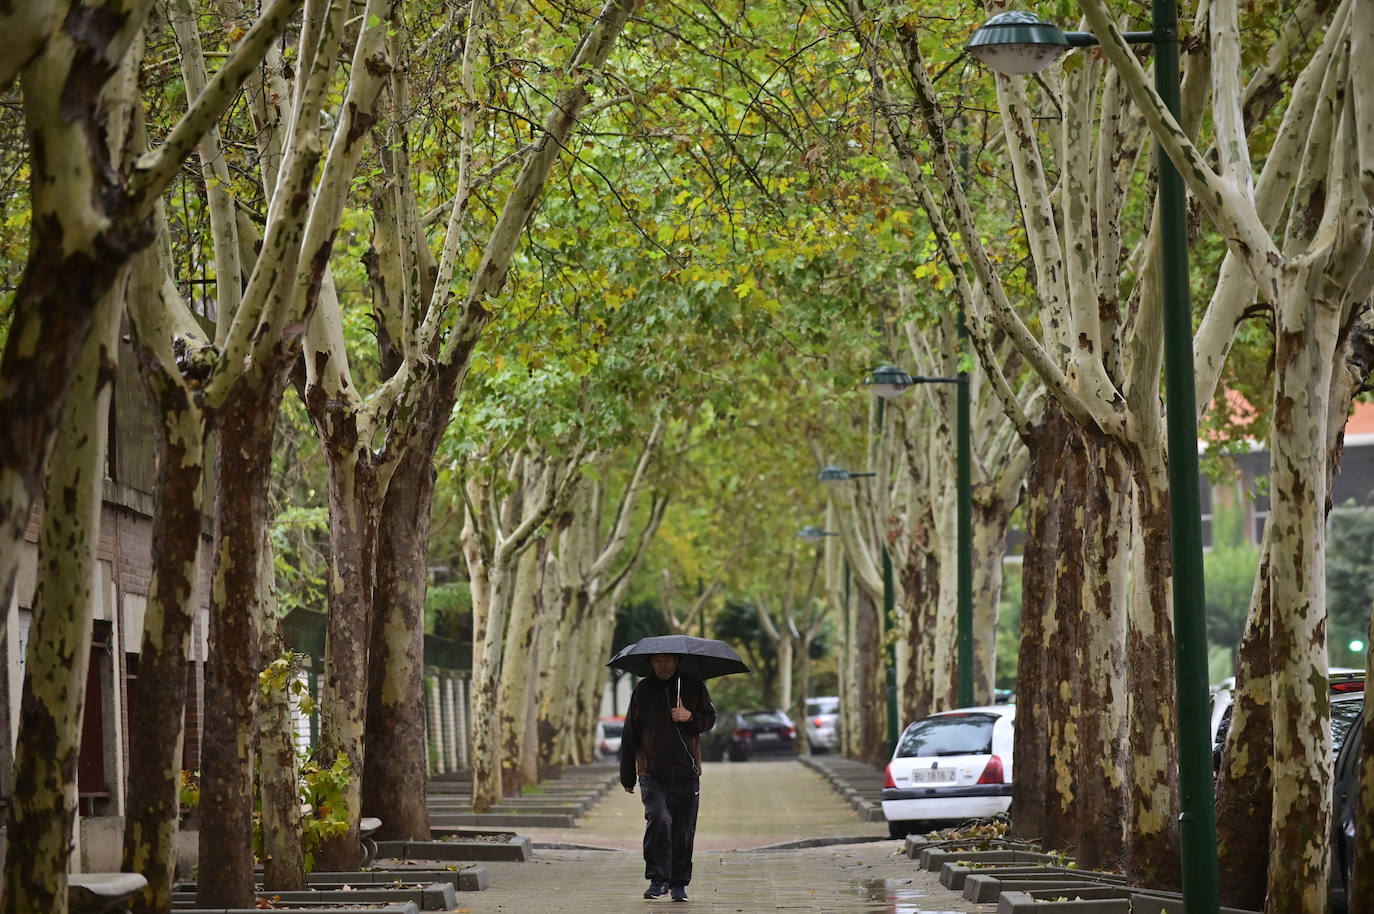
[(652, 743)]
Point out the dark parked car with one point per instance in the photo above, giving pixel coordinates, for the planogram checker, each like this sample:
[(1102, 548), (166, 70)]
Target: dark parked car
[(738, 735), (1343, 684), (1347, 729)]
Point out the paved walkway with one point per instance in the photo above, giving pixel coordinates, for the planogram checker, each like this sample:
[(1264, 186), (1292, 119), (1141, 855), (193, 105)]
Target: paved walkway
[(746, 810)]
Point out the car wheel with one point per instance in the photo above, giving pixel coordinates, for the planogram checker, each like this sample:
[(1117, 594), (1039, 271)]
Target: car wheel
[(737, 754), (899, 829)]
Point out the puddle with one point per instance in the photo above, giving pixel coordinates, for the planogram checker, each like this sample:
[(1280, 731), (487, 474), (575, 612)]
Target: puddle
[(896, 896)]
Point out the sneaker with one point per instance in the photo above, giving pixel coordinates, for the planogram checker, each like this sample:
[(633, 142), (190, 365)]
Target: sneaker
[(679, 893), (656, 889)]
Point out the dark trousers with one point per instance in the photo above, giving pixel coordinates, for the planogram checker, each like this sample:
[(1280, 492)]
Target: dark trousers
[(670, 816)]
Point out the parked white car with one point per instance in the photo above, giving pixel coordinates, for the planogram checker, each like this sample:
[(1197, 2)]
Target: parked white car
[(608, 733), (822, 718), (948, 768)]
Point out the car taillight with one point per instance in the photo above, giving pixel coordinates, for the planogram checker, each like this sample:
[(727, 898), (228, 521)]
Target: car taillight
[(993, 774), (791, 732), (816, 722), (1353, 686), (604, 747), (887, 777), (741, 734)]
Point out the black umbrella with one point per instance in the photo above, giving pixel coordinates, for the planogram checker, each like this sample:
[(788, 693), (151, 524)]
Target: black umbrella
[(699, 657)]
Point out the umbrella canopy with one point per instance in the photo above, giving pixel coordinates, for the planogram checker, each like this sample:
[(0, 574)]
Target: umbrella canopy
[(699, 657)]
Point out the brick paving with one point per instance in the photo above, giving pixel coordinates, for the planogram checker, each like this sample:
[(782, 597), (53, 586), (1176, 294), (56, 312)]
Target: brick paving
[(747, 810)]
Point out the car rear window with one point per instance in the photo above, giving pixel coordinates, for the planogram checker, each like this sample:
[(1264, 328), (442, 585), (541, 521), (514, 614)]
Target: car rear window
[(762, 718), (1343, 715), (612, 728), (952, 734), (823, 706)]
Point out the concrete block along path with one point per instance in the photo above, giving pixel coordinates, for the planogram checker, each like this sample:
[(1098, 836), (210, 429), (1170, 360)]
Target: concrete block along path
[(747, 810)]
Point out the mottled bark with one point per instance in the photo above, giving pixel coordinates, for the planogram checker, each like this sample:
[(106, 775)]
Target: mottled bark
[(488, 618), (353, 519), (921, 591), (1245, 781), (26, 25), (1102, 697), (991, 522), (54, 692), (518, 671), (283, 853), (396, 764), (243, 437), (1043, 520), (1063, 638), (551, 685), (1305, 338), (157, 714), (561, 702), (1152, 851), (870, 736)]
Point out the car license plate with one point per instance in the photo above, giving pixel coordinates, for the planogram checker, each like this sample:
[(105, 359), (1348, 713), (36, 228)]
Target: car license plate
[(765, 736), (933, 776)]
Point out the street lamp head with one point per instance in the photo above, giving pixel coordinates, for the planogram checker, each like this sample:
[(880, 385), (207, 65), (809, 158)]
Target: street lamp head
[(889, 381), (1017, 43), (833, 476), (813, 534)]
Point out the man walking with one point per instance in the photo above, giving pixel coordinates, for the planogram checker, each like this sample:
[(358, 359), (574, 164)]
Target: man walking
[(661, 746)]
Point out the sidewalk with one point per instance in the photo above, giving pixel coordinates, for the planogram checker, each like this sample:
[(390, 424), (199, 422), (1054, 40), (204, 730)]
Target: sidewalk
[(747, 810)]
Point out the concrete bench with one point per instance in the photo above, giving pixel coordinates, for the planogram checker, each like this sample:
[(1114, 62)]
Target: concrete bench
[(102, 893)]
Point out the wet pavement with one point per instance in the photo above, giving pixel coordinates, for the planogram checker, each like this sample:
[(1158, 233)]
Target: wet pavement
[(748, 810)]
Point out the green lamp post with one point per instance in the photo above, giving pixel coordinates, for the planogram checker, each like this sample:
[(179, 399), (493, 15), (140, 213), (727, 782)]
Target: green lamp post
[(1018, 42)]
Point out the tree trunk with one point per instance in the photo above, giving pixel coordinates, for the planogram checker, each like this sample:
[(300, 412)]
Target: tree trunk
[(559, 702), (1064, 637), (553, 668), (354, 508), (991, 519), (530, 759), (1305, 335), (489, 621), (921, 589), (244, 430), (785, 651), (1152, 851), (54, 692), (871, 738), (396, 763), (157, 714), (1102, 682), (1043, 520), (283, 853), (798, 709), (1245, 783), (518, 670)]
